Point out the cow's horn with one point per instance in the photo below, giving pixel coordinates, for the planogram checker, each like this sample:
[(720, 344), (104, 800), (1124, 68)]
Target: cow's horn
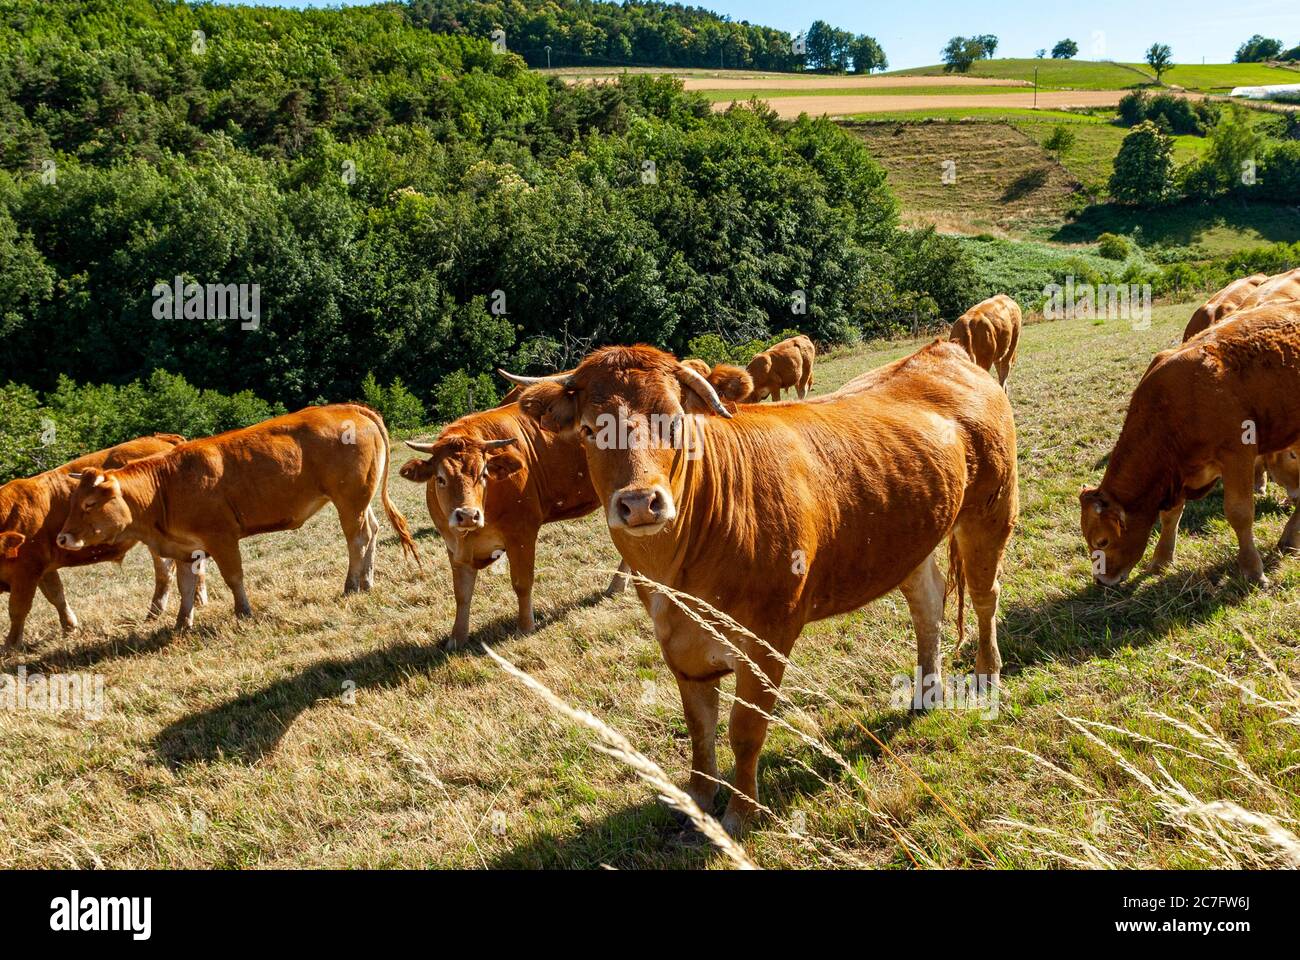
[(420, 447), (494, 444), (522, 381), (705, 390)]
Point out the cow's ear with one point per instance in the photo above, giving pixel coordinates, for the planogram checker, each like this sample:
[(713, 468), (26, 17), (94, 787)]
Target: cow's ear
[(502, 463), (417, 470), (9, 544), (732, 383), (1092, 496), (551, 404)]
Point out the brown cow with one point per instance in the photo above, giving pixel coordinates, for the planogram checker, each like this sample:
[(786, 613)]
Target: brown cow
[(1279, 288), (785, 366), (1282, 466), (33, 511), (1223, 303), (1202, 410), (787, 513), (202, 498), (491, 480), (989, 332)]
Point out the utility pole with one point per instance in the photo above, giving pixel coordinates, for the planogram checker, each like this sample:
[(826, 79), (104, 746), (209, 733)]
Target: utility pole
[(1035, 88)]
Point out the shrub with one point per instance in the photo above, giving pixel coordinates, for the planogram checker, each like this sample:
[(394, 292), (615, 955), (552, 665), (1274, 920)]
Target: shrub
[(1113, 247), (1133, 108), (400, 408), (458, 394), (1143, 167), (1176, 112), (1059, 140), (1279, 174)]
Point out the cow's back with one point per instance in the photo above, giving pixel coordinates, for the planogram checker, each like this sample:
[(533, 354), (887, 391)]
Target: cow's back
[(1222, 304)]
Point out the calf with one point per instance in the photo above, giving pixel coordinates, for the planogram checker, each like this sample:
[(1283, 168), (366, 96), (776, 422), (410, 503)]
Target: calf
[(491, 480), (33, 510), (1222, 304), (989, 333), (1204, 410), (202, 498), (781, 514), (787, 365)]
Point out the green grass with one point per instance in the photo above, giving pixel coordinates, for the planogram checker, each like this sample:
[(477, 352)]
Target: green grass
[(1092, 157), (1104, 75), (234, 745), (1052, 74), (1210, 230)]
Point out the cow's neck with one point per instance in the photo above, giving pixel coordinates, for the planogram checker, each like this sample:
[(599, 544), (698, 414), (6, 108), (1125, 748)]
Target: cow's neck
[(1143, 474), (143, 495)]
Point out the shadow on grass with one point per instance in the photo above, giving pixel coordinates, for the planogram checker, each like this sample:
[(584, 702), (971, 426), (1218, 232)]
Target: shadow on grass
[(649, 835), (1095, 621), (1025, 184), (1183, 224), (249, 727)]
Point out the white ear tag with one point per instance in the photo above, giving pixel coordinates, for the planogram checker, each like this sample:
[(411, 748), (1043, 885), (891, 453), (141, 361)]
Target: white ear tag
[(498, 564)]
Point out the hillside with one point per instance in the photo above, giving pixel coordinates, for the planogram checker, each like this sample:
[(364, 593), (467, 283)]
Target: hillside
[(1108, 75)]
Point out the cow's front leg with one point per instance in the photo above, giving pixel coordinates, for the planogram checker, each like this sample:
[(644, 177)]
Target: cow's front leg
[(1239, 508), (748, 732), (22, 591), (462, 585), (522, 556), (620, 580), (1168, 542), (52, 588), (231, 564), (700, 705)]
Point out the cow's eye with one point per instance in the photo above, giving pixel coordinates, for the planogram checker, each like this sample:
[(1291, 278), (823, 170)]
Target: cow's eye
[(585, 431), (442, 481), (484, 474), (1103, 543)]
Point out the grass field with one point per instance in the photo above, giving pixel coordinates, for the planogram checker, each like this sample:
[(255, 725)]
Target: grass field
[(335, 732), (1106, 75), (920, 90)]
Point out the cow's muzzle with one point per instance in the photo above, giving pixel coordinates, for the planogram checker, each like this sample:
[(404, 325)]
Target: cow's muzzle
[(466, 519), (67, 541), (641, 513)]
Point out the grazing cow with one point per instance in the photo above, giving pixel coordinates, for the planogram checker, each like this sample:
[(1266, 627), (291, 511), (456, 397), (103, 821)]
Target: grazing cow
[(989, 333), (33, 511), (785, 366), (491, 480), (1282, 466), (202, 498), (1223, 303), (782, 514), (1202, 410)]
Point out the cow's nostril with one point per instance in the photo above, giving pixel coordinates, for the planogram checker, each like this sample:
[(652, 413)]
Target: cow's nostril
[(656, 504), (624, 510)]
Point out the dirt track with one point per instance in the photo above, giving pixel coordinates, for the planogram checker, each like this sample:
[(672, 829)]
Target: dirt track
[(790, 82), (790, 107)]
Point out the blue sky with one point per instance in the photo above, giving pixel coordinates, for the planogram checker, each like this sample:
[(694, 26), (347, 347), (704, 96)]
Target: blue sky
[(913, 31)]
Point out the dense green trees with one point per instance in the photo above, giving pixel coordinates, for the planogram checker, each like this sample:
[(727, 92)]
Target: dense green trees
[(1144, 167), (404, 203), (593, 33), (1258, 49)]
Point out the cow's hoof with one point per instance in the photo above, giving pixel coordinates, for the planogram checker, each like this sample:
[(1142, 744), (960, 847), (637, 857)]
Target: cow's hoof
[(1288, 548), (454, 643), (1159, 564), (735, 823)]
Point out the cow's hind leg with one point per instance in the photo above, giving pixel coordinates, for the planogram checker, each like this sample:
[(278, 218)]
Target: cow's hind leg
[(700, 705), (368, 558), (356, 531), (1168, 542), (1239, 508), (21, 594), (187, 580), (162, 585), (982, 539), (620, 580), (231, 565), (1290, 540), (924, 591)]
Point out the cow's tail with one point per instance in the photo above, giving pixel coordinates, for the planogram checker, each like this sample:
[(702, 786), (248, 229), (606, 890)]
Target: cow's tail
[(957, 581), (395, 517)]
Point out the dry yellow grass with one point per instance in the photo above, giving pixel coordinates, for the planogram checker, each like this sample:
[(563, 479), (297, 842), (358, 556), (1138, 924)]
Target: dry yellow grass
[(335, 732)]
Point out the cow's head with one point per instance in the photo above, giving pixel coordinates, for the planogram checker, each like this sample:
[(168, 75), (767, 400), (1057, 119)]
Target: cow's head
[(98, 512), (1116, 540), (759, 370), (634, 408), (459, 469), (1284, 468)]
